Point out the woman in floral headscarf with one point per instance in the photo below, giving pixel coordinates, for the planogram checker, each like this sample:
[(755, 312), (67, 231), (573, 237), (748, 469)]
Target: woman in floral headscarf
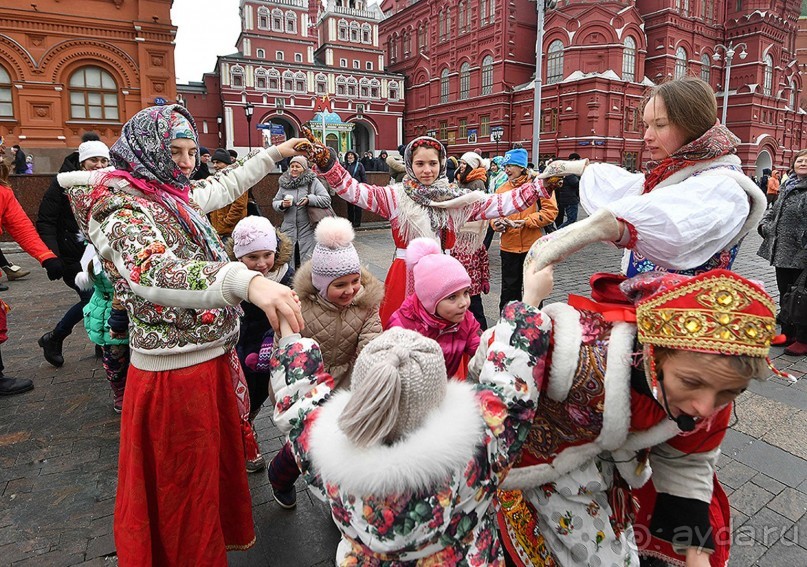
[(424, 204), (184, 429)]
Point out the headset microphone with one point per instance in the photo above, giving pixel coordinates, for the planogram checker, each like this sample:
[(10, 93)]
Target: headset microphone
[(685, 422)]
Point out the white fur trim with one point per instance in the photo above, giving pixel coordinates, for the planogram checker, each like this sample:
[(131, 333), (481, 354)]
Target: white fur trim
[(442, 447), (73, 178), (567, 336), (616, 415), (616, 418)]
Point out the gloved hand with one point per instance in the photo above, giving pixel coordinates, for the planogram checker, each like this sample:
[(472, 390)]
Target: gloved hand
[(563, 167), (54, 267), (318, 153), (602, 226), (118, 321)]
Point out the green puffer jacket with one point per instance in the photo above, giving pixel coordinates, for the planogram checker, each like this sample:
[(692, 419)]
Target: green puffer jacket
[(97, 311)]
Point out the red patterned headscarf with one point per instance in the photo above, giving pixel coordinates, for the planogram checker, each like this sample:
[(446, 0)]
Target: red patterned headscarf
[(715, 142)]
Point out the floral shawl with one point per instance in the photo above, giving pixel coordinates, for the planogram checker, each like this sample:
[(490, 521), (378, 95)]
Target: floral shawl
[(715, 142)]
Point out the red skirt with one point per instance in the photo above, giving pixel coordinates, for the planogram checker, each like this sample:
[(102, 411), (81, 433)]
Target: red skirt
[(183, 497), (394, 290)]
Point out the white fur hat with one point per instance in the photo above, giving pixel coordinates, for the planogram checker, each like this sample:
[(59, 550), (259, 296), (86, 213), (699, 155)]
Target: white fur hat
[(93, 148), (473, 159)]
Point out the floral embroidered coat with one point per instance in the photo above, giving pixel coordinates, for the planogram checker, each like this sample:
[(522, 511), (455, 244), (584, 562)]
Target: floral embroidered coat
[(152, 261), (427, 497)]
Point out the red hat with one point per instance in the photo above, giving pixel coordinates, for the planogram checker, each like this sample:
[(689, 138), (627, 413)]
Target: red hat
[(717, 312)]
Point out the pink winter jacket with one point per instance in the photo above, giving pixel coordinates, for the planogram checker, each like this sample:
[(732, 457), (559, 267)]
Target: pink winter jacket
[(456, 339)]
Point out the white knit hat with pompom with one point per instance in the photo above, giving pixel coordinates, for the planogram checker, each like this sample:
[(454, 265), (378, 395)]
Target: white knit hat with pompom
[(334, 255)]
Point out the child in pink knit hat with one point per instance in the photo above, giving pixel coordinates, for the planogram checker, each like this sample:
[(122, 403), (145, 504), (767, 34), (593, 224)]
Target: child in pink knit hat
[(439, 307)]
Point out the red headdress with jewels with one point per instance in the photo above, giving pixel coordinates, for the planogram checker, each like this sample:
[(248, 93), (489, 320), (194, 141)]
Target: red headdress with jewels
[(717, 312)]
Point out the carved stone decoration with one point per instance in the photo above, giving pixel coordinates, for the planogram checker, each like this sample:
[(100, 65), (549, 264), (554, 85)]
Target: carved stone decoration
[(157, 60), (41, 110), (159, 86), (36, 39), (118, 3)]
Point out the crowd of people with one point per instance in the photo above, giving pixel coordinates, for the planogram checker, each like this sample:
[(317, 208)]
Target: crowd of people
[(437, 435)]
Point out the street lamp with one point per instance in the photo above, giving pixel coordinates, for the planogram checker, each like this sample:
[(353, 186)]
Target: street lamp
[(729, 51), (219, 120), (542, 6), (249, 108)]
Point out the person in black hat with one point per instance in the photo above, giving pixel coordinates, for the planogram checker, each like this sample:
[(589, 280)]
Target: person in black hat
[(568, 197), (220, 159), (204, 170)]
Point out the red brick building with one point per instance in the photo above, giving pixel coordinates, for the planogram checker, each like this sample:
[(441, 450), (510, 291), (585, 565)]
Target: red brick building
[(469, 68), (70, 67), (291, 53)]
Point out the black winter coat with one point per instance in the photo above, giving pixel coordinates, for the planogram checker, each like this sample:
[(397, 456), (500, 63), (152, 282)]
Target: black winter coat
[(57, 226), (20, 166), (356, 170)]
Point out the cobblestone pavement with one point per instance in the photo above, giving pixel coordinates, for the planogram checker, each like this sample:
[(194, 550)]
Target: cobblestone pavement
[(59, 443)]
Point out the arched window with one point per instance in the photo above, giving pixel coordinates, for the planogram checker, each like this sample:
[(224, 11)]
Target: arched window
[(421, 37), (288, 81), (394, 90), (791, 97), (263, 18), (706, 68), (341, 86), (351, 86), (94, 94), (441, 25), (554, 62), (277, 20), (260, 79), (364, 87), (260, 54), (375, 88), (274, 79), (366, 33), (300, 82), (487, 75), (680, 63), (322, 83), (629, 60), (444, 85), (6, 107), (767, 81), (291, 22), (483, 11), (407, 43), (236, 76), (355, 32), (465, 80), (343, 34)]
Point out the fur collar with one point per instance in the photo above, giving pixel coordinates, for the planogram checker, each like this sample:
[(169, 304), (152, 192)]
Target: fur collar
[(441, 448), (369, 297), (567, 336)]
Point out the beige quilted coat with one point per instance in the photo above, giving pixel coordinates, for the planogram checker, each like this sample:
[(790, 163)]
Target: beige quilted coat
[(341, 332)]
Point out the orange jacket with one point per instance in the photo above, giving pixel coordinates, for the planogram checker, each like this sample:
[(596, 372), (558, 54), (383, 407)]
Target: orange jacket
[(14, 220), (519, 240), (225, 219)]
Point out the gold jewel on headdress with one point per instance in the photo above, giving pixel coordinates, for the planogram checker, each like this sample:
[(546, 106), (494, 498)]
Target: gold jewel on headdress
[(718, 314)]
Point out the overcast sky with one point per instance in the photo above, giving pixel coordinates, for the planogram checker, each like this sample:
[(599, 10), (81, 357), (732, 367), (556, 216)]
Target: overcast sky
[(207, 28)]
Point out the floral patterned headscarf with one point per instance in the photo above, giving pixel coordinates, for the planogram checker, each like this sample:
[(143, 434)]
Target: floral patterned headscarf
[(144, 149), (142, 156)]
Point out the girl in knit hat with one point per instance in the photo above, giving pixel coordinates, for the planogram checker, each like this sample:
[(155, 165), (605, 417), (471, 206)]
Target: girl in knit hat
[(439, 307), (339, 301), (261, 247), (424, 204), (407, 460)]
